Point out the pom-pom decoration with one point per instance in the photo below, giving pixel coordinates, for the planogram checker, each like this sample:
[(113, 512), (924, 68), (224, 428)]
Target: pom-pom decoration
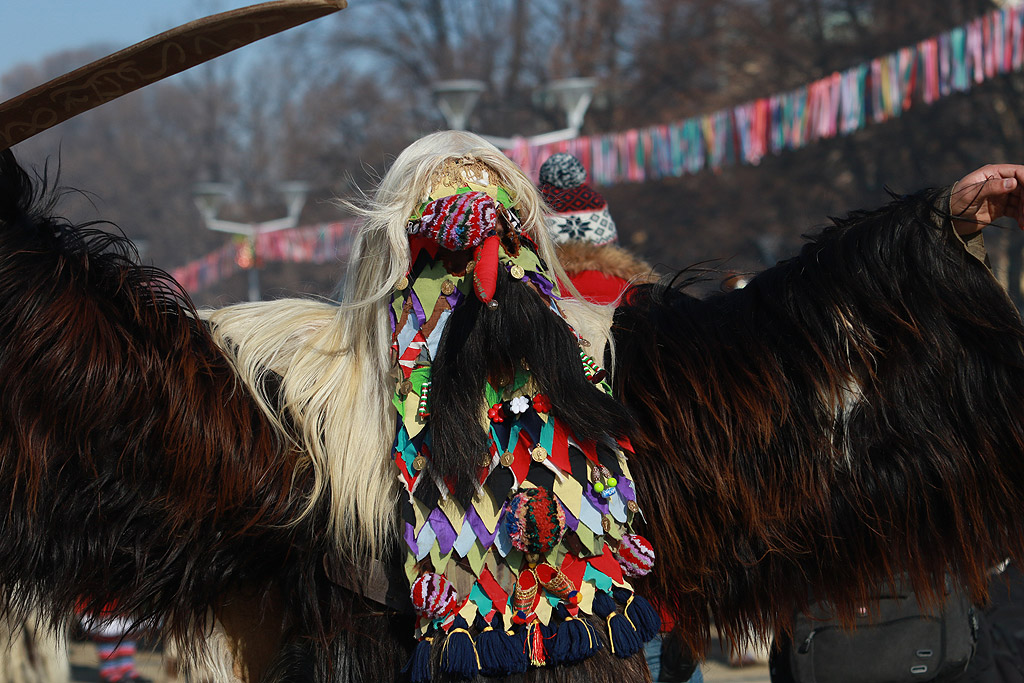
[(535, 521), (434, 596), (635, 555), (563, 171)]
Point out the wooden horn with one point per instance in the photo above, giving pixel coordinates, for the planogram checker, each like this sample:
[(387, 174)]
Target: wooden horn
[(151, 60)]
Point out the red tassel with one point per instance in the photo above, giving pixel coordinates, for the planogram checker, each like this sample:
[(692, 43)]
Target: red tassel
[(536, 639), (485, 273)]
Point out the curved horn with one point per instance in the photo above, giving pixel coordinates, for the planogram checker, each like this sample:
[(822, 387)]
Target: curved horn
[(151, 60)]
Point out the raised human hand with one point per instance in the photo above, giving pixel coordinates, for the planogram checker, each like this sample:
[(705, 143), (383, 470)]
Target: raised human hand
[(984, 195)]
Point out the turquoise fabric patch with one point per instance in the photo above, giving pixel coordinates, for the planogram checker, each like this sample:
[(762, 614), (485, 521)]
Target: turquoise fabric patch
[(601, 580), (483, 603)]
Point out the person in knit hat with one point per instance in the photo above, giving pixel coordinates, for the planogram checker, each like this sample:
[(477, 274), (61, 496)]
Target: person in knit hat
[(584, 233), (581, 212)]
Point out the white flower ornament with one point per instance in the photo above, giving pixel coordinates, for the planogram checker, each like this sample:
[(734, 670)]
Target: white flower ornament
[(519, 404)]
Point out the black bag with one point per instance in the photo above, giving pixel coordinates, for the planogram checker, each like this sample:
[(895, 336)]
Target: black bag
[(892, 642)]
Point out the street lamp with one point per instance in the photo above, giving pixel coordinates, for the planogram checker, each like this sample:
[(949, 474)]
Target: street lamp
[(457, 98), (208, 198)]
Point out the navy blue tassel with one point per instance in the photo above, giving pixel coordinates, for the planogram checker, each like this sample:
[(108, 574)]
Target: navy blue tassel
[(640, 612), (623, 637), (458, 652), (549, 637), (604, 606), (521, 638), (500, 653), (418, 666), (576, 640)]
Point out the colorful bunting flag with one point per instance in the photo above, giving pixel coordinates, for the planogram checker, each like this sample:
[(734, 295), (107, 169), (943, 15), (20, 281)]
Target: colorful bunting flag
[(839, 104)]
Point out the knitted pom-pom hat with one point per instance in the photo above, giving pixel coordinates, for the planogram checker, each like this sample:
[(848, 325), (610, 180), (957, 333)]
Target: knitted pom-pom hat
[(581, 213)]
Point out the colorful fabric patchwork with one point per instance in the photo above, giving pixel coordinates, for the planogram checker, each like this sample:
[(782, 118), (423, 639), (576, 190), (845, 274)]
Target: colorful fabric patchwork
[(533, 551)]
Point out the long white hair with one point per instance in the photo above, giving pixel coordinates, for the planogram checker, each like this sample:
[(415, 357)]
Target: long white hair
[(334, 360)]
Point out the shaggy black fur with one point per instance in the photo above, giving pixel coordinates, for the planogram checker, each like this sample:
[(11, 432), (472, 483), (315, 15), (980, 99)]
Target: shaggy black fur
[(135, 469), (478, 344), (852, 413)]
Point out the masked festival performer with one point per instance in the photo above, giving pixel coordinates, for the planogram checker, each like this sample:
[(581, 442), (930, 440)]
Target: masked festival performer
[(433, 476)]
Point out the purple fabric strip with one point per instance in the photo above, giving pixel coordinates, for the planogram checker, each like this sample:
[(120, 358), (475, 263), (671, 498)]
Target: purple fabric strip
[(410, 537), (443, 530), (597, 501), (454, 298), (543, 284), (417, 308), (485, 537), (625, 489), (570, 519)]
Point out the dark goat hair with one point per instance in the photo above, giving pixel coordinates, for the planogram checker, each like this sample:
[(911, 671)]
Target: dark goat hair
[(478, 343), (137, 471), (853, 413)]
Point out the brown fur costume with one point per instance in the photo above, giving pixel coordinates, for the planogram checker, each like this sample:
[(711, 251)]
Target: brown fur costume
[(853, 412)]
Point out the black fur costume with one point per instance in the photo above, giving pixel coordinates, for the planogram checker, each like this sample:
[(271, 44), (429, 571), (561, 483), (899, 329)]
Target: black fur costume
[(853, 412)]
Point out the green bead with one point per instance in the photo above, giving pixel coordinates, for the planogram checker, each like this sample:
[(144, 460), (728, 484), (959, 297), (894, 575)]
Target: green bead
[(612, 481), (599, 487)]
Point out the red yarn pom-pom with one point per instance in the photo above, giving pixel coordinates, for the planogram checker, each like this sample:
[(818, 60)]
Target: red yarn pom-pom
[(535, 521), (635, 555), (434, 596)]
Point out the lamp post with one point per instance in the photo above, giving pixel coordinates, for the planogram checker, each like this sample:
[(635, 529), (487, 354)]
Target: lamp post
[(209, 197), (456, 100)]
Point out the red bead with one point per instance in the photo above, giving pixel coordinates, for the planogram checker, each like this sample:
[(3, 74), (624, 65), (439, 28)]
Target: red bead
[(541, 403)]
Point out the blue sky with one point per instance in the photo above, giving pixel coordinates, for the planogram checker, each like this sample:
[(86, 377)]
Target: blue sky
[(32, 29)]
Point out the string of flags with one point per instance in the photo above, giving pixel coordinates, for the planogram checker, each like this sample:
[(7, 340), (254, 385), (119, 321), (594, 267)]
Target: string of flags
[(838, 104), (308, 244)]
